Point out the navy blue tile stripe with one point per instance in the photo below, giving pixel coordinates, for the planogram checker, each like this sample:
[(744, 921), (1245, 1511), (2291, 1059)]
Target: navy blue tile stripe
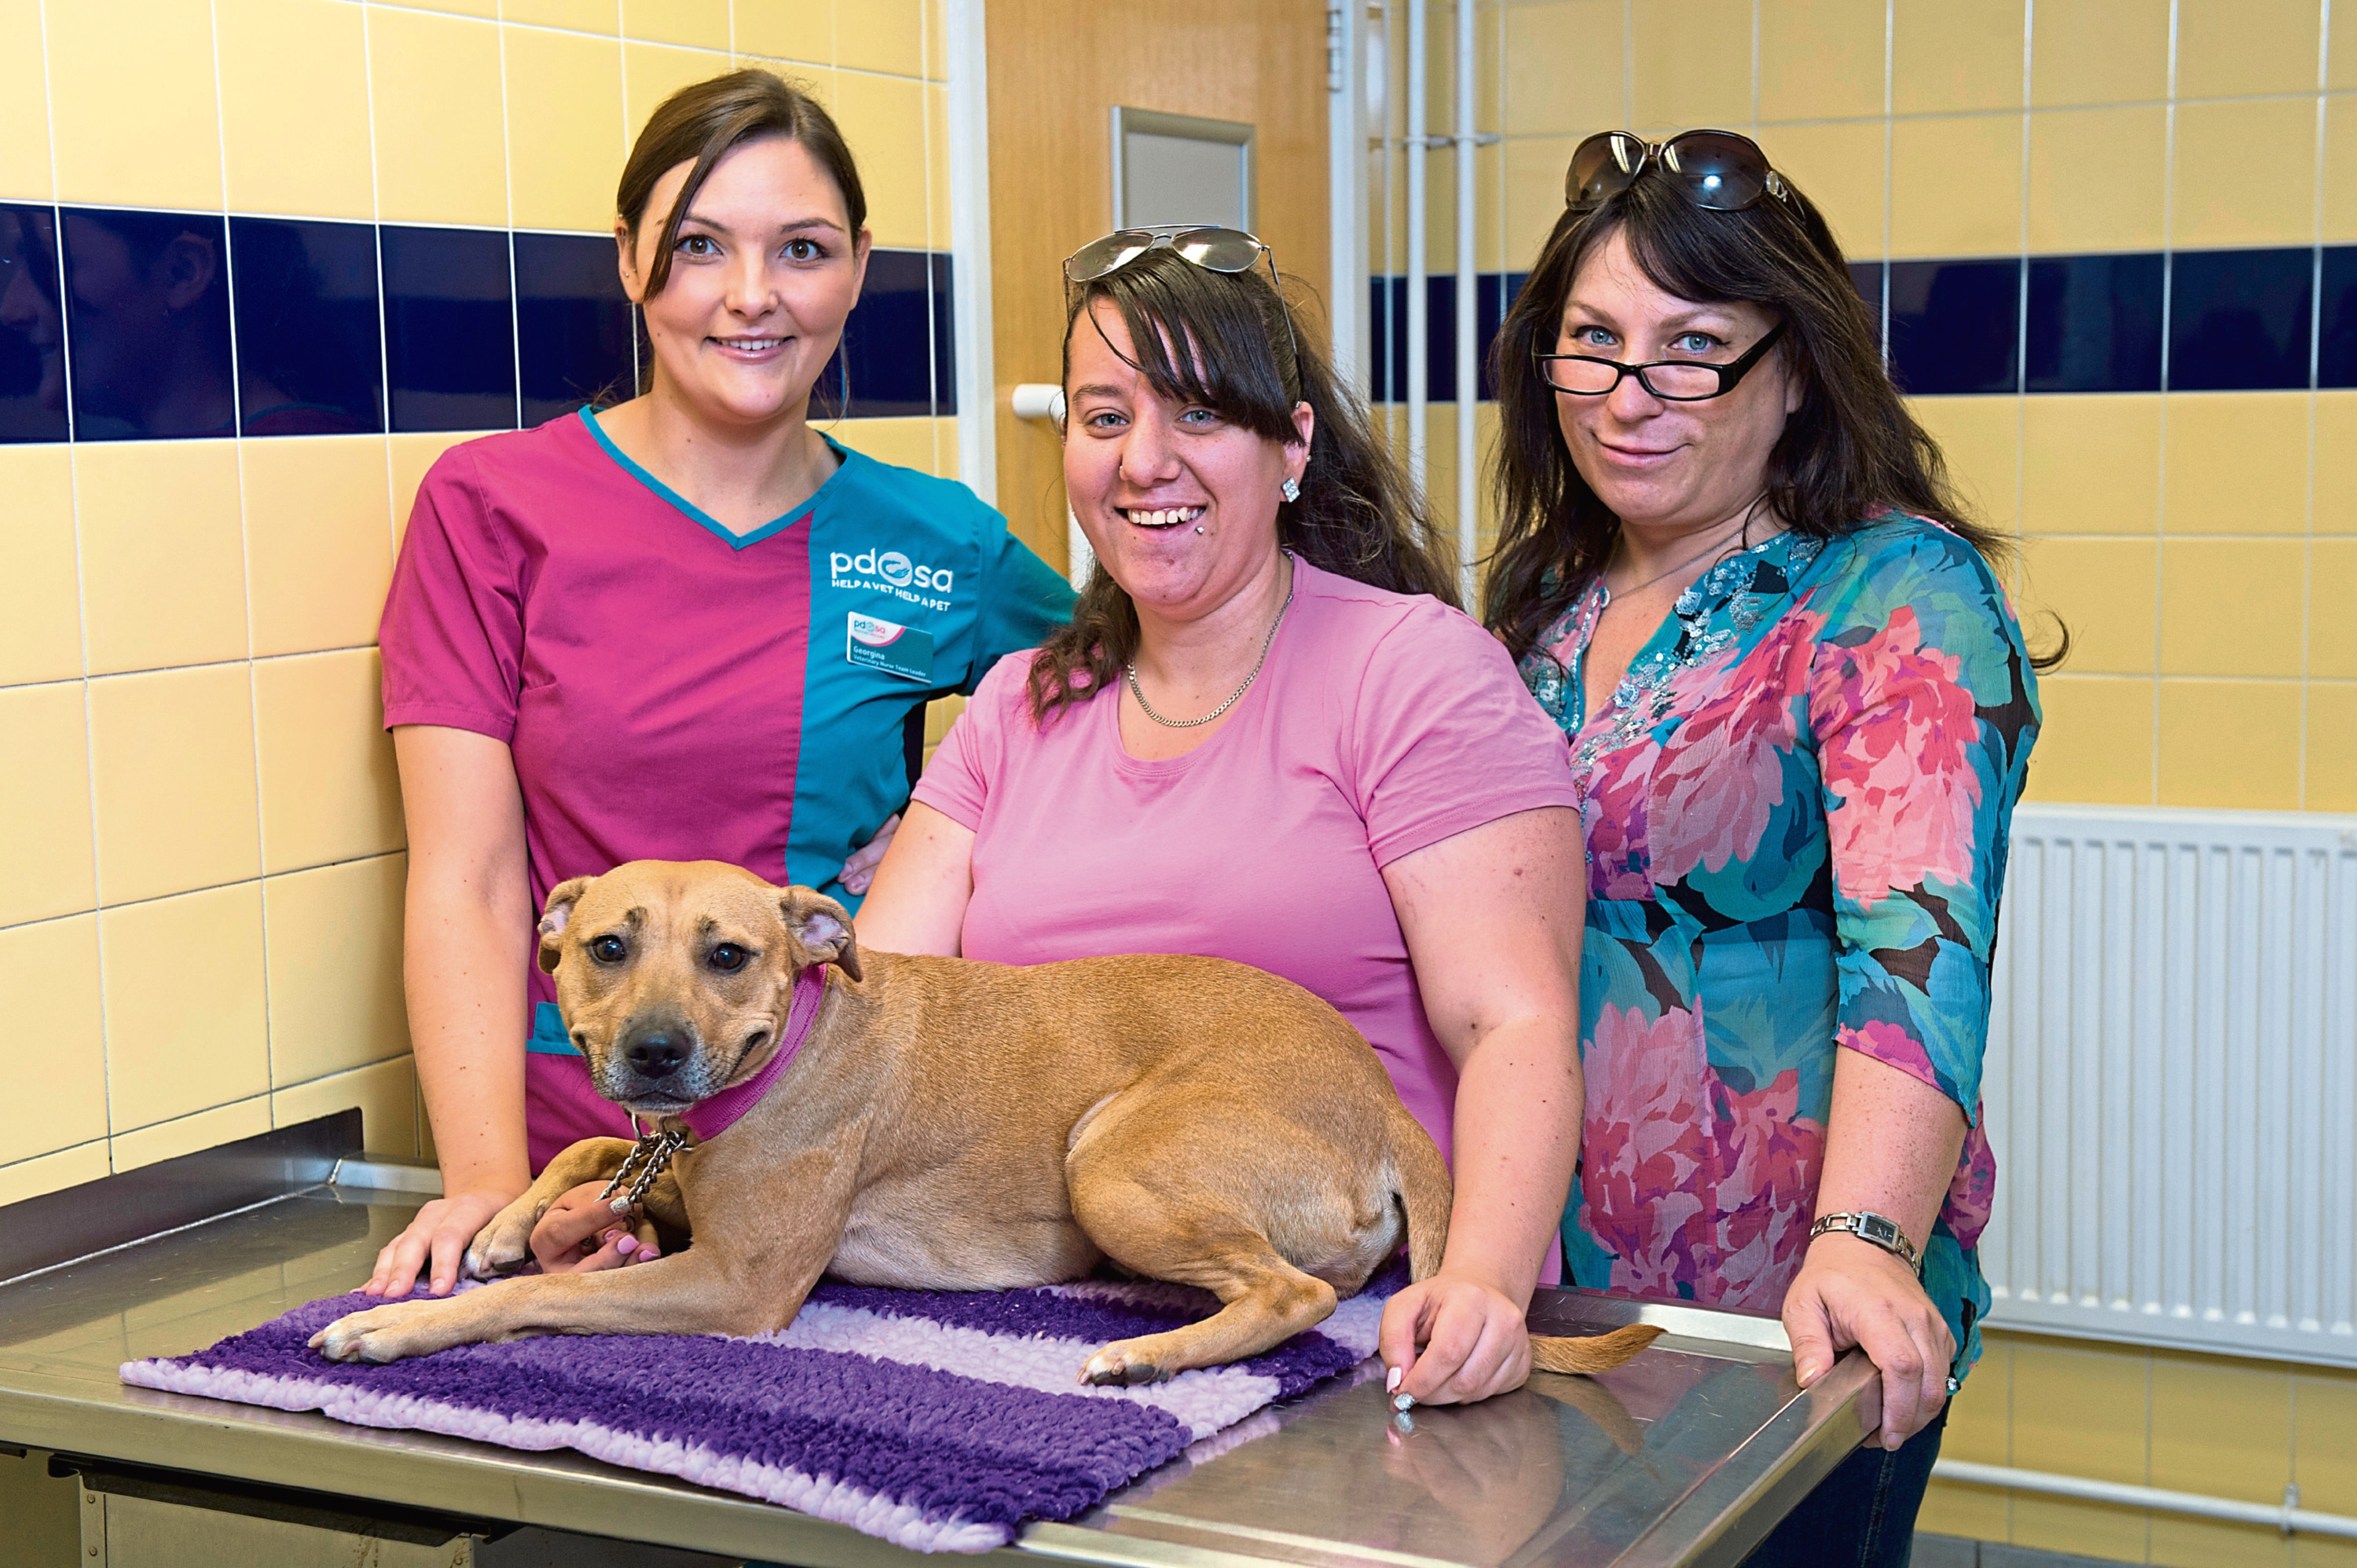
[(2240, 320), (120, 324)]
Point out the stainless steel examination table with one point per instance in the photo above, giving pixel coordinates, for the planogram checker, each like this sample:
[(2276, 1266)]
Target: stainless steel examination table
[(1686, 1455)]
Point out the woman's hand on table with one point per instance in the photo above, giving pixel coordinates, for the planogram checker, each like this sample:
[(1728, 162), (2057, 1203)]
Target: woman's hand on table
[(581, 1234), (859, 871), (1452, 1339), (1852, 1293), (435, 1240)]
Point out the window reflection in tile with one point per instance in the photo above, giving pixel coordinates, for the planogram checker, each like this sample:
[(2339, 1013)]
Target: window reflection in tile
[(32, 326), (449, 328), (887, 356), (148, 322), (2336, 349), (1955, 326), (2239, 320), (2094, 323), (944, 334), (572, 325), (308, 362)]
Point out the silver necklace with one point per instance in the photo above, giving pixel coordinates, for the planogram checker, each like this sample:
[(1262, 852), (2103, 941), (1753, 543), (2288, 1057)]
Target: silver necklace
[(1234, 697), (1742, 536)]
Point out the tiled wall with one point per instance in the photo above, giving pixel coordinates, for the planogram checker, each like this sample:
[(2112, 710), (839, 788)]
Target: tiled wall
[(2121, 250), (266, 259)]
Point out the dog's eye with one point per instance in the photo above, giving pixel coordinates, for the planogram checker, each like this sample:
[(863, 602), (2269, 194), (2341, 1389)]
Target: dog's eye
[(727, 958), (608, 949)]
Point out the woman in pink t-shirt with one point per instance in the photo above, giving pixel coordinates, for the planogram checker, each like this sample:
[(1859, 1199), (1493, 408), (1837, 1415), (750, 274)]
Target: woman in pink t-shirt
[(1269, 736)]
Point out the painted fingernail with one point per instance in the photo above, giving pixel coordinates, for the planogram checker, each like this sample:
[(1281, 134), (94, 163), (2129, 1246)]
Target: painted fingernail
[(649, 1256), (1402, 1403), (1391, 1380), (627, 1245)]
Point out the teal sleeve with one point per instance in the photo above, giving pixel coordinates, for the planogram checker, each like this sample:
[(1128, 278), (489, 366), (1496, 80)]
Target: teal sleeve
[(1024, 601)]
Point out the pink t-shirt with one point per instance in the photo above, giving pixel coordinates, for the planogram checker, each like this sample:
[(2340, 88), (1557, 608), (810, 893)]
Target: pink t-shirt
[(1381, 724)]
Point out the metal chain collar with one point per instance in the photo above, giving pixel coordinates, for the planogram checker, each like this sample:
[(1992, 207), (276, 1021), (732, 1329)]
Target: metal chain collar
[(647, 1161)]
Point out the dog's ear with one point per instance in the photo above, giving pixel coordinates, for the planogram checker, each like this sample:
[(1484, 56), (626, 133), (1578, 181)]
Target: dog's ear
[(819, 929), (557, 917)]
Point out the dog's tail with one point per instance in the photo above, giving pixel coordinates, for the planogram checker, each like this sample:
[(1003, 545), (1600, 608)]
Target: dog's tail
[(1420, 1183), (1591, 1352)]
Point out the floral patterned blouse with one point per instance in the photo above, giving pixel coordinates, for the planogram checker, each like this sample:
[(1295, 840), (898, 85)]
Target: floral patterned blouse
[(1796, 806)]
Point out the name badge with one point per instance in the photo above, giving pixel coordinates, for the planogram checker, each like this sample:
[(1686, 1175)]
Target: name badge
[(875, 643)]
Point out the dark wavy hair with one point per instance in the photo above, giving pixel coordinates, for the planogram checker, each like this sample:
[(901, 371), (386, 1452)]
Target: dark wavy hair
[(1219, 340), (1851, 453)]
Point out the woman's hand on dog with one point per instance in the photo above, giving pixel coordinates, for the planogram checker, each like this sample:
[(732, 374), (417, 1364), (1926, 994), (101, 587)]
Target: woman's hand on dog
[(438, 1237), (1452, 1339), (581, 1234)]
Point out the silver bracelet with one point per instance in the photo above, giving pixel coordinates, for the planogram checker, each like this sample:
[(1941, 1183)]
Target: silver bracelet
[(1868, 1226)]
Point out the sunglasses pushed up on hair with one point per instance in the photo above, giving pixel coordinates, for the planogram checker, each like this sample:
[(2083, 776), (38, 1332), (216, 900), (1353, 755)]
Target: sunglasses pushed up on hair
[(1213, 249), (1719, 170)]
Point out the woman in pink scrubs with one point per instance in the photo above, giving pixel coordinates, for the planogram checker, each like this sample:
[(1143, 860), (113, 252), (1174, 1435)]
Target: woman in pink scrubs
[(623, 635), (1269, 736)]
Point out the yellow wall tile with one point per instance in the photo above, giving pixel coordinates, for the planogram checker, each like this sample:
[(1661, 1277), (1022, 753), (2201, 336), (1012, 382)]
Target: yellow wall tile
[(1981, 438), (2228, 49), (2331, 628), (881, 35), (185, 1023), (938, 195), (1840, 167), (2234, 743), (172, 779), (294, 130), (2232, 606), (2324, 1405), (908, 442), (2340, 214), (439, 126), (328, 788), (2099, 51), (940, 714), (491, 8), (1562, 70), (49, 973), (2220, 1428), (937, 44), (335, 968), (1820, 59), (1953, 57), (24, 103), (205, 1130), (132, 104), (702, 24), (787, 29), (1533, 169), (2097, 743), (2223, 196), (2079, 1529), (45, 839), (2098, 179), (1956, 186), (883, 119), (2335, 504), (386, 1095), (2263, 487), (2080, 1410), (163, 555), (2106, 591), (653, 72), (1969, 1513), (2342, 56), (565, 142), (2179, 1542), (413, 455), (318, 541), (40, 595), (1674, 85), (2332, 787), (589, 16), (52, 1173), (1980, 1417), (2091, 464)]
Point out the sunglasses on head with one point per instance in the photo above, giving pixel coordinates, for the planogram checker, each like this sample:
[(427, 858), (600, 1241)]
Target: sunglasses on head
[(1214, 249), (1717, 169)]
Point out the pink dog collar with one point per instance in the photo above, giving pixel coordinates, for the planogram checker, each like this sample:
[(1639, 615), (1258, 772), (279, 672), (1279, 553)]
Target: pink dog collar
[(707, 1119)]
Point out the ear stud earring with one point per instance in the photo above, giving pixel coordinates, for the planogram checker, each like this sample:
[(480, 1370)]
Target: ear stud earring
[(1291, 489)]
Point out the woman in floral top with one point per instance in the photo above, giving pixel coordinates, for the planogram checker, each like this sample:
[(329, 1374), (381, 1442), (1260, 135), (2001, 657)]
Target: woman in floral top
[(1800, 710)]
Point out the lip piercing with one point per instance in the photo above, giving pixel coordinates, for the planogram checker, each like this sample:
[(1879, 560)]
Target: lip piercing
[(1199, 528)]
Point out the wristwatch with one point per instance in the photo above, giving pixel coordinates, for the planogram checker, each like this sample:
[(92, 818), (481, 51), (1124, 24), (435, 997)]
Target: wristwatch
[(1875, 1227)]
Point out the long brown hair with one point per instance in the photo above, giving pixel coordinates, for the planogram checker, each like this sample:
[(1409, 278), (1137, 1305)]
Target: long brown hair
[(1851, 453), (700, 122), (1221, 341)]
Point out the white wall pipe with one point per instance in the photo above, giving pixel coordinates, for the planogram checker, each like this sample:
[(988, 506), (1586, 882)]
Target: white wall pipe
[(1419, 324), (1044, 402), (1469, 380), (1346, 176), (968, 139), (2288, 1517)]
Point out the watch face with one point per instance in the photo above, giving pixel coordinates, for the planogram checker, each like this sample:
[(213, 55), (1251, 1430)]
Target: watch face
[(1882, 1232)]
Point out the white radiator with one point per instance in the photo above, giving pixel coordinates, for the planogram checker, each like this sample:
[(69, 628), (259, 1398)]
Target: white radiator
[(2171, 1084)]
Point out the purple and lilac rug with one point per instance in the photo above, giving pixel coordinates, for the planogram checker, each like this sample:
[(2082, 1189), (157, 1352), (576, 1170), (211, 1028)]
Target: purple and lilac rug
[(936, 1420)]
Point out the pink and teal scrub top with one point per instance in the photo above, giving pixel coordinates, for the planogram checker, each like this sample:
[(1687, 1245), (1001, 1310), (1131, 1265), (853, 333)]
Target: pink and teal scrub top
[(671, 691)]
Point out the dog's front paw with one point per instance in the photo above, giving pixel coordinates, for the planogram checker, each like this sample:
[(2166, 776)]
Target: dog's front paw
[(505, 1246), (390, 1333), (1123, 1364)]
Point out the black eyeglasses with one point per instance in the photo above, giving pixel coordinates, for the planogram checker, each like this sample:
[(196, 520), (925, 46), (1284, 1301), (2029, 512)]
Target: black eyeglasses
[(1214, 249), (1716, 169), (1671, 381)]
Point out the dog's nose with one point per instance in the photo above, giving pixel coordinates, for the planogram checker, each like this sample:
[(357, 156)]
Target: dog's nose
[(656, 1053)]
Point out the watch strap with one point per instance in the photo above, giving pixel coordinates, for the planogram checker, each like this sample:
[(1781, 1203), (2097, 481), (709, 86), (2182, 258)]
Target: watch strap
[(1868, 1226)]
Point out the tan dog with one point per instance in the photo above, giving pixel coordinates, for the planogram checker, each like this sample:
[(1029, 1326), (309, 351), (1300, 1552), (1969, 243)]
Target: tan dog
[(956, 1125)]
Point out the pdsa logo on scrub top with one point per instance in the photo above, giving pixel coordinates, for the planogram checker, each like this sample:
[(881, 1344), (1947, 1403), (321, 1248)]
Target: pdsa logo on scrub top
[(890, 572), (875, 643)]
